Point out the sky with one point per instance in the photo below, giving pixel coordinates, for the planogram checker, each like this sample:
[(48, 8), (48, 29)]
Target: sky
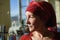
[(14, 7)]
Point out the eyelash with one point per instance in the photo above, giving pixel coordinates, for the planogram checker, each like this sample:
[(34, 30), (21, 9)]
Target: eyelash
[(32, 17)]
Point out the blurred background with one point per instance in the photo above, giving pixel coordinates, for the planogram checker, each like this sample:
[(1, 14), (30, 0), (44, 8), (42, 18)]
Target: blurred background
[(12, 18)]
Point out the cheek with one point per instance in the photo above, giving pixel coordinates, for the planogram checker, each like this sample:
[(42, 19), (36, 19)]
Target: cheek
[(37, 24), (33, 21)]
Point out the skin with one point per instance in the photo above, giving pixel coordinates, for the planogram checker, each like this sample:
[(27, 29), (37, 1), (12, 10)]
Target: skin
[(37, 27), (34, 23)]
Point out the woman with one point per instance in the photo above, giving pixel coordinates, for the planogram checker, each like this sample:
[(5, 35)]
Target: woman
[(40, 19)]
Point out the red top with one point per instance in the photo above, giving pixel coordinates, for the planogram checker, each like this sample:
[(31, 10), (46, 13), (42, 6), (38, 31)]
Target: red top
[(25, 37), (28, 37)]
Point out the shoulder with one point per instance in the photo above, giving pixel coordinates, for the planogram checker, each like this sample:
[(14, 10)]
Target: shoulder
[(25, 37)]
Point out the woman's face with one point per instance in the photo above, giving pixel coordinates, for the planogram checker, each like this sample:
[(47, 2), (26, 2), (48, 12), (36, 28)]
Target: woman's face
[(33, 22)]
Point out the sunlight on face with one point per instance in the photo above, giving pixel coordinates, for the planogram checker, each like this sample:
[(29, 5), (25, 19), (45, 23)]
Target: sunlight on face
[(32, 21)]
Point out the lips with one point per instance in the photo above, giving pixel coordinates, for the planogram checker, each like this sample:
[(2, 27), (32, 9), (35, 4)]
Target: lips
[(30, 26), (27, 25)]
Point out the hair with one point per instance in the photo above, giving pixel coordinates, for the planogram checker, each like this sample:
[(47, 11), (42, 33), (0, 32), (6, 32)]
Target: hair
[(44, 10)]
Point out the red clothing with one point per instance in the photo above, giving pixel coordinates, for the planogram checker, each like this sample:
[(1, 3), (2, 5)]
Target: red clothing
[(28, 37), (25, 37)]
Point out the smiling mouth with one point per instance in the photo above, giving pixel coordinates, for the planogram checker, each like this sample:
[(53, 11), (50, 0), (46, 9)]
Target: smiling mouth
[(26, 28), (28, 25)]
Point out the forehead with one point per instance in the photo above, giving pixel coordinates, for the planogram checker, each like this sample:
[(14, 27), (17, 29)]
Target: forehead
[(29, 13)]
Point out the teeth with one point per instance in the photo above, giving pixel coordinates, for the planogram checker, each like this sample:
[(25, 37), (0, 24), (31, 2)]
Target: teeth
[(29, 25)]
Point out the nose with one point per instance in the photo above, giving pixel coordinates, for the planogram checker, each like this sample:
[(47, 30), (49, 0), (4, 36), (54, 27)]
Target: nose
[(27, 22)]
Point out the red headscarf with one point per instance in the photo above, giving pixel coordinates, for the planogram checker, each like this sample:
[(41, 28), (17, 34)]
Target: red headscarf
[(45, 11)]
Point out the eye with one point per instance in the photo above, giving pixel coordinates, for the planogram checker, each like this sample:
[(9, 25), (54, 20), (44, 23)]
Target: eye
[(32, 16)]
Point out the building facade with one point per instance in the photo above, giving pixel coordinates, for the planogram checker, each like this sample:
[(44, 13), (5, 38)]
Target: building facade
[(56, 5), (5, 21)]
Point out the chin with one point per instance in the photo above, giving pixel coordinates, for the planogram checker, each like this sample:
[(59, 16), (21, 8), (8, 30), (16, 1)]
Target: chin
[(31, 30)]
